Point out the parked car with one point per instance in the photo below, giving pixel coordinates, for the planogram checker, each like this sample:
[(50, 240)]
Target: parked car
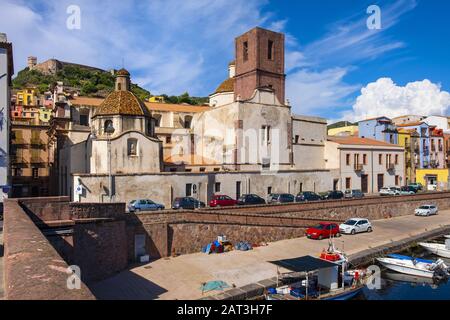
[(307, 196), (250, 199), (333, 195), (355, 225), (416, 186), (187, 203), (426, 210), (275, 198), (389, 191), (406, 190), (144, 205), (323, 230), (222, 201), (355, 193)]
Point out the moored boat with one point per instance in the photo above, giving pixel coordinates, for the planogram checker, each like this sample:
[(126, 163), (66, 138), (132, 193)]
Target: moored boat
[(415, 266), (441, 250)]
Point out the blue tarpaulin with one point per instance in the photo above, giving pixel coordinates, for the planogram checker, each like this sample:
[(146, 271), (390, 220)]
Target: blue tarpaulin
[(214, 285)]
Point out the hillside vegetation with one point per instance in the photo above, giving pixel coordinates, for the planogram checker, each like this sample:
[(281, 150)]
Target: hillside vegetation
[(91, 83)]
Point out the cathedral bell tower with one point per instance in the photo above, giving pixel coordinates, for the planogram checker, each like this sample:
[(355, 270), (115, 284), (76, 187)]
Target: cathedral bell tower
[(259, 63)]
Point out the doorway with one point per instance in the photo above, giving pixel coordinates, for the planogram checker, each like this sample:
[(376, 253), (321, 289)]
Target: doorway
[(139, 246), (380, 181), (365, 183)]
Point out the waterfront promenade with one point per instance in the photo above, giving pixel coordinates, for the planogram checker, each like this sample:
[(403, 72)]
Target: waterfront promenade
[(181, 277)]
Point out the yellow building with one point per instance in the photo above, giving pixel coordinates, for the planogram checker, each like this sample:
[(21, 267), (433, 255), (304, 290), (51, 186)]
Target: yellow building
[(159, 99), (44, 114), (433, 179), (409, 139), (27, 97), (344, 131)]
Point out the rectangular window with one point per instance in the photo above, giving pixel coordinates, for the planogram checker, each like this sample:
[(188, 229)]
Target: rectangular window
[(269, 190), (169, 139), (84, 120), (217, 187), (396, 159), (296, 139), (364, 159), (380, 159), (270, 50), (188, 189), (348, 183), (265, 132), (347, 159), (245, 50), (35, 173), (397, 180)]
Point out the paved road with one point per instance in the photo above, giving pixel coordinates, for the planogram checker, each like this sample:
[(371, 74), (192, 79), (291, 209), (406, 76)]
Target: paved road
[(181, 277)]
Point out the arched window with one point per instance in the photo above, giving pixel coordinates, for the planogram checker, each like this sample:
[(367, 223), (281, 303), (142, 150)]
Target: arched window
[(132, 146), (107, 126)]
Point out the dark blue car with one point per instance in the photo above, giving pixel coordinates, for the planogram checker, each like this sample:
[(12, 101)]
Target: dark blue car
[(144, 205)]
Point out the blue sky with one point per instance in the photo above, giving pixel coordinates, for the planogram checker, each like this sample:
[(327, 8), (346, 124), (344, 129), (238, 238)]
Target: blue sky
[(173, 46)]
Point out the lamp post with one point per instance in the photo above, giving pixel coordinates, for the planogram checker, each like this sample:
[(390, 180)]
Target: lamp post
[(109, 130)]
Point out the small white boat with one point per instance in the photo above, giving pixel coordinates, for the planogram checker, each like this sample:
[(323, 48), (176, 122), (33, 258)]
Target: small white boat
[(441, 250), (415, 266)]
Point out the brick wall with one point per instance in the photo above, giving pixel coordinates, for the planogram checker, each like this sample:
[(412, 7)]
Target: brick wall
[(100, 249), (32, 267), (59, 208)]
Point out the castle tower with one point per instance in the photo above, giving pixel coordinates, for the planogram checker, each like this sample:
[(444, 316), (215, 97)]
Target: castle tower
[(31, 62), (259, 63)]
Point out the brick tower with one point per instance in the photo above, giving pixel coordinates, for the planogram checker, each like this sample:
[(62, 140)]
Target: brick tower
[(259, 63)]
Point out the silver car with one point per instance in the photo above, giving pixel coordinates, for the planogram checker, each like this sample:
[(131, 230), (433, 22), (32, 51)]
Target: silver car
[(355, 225), (426, 210)]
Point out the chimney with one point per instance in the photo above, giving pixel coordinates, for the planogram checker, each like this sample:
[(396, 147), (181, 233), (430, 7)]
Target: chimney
[(3, 37)]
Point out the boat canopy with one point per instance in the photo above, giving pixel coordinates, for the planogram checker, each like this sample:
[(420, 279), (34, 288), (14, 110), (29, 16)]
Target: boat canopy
[(304, 264)]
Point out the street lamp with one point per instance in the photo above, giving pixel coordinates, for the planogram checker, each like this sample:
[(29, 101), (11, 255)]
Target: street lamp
[(109, 130)]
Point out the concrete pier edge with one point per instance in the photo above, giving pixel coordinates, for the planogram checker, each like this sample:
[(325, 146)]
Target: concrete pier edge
[(255, 290)]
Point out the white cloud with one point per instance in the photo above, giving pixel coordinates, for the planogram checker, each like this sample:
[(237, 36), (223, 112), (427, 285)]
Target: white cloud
[(384, 98), (312, 92), (169, 46), (315, 81)]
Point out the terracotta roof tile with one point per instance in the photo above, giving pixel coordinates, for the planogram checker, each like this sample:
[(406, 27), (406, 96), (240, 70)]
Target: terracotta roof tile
[(189, 159), (410, 124), (226, 86), (122, 103), (151, 106), (352, 140)]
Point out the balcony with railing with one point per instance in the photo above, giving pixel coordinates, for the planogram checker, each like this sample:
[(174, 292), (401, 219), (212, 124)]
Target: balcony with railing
[(17, 159), (36, 159)]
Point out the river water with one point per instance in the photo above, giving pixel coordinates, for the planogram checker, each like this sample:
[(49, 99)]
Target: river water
[(397, 286)]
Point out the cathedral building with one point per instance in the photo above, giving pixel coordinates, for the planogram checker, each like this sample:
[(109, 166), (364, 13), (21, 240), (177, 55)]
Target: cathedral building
[(246, 141)]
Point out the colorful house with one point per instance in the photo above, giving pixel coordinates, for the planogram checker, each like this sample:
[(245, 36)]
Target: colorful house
[(44, 114), (380, 128), (27, 97), (409, 140), (433, 179), (351, 130)]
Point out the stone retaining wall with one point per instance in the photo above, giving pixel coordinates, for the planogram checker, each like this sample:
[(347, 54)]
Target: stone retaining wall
[(33, 269)]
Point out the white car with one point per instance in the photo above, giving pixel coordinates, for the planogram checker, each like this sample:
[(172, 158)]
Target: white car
[(389, 191), (355, 225), (426, 210)]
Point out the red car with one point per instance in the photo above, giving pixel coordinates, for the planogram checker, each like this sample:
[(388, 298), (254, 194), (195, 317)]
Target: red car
[(323, 230), (222, 201)]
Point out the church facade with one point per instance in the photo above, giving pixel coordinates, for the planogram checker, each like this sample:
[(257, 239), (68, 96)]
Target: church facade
[(245, 141)]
